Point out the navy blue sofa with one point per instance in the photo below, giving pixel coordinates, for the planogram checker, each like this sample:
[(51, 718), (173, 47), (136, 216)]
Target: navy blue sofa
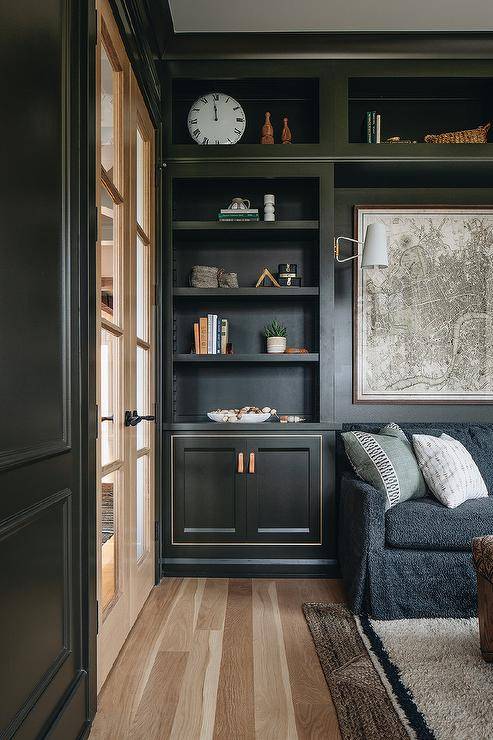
[(415, 559)]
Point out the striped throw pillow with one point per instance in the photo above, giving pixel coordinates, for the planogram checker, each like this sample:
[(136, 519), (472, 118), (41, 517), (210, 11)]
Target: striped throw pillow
[(386, 461), (448, 469)]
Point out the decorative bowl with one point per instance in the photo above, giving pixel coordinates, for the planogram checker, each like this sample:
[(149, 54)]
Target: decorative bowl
[(245, 419)]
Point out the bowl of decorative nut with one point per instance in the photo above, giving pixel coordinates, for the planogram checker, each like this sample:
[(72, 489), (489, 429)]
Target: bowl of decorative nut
[(245, 415)]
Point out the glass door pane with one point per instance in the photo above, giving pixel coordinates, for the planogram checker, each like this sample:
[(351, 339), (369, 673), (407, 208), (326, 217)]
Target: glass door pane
[(109, 538), (142, 291), (109, 258), (142, 498), (110, 413), (142, 396), (141, 220), (107, 114)]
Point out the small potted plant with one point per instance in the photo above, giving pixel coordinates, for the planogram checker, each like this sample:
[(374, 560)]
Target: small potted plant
[(275, 334)]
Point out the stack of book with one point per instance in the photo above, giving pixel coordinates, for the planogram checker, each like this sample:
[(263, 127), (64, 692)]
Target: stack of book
[(373, 127), (211, 335), (238, 214)]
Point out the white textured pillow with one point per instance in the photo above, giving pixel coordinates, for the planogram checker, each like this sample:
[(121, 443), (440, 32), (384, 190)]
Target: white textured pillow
[(448, 469)]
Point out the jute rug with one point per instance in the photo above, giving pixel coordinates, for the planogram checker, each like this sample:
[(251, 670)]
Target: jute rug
[(418, 678)]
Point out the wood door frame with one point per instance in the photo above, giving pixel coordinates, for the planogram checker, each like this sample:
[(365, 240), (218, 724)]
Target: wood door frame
[(117, 609), (129, 115), (141, 121)]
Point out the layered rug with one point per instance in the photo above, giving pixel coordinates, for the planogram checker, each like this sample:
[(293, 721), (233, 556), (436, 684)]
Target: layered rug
[(418, 678)]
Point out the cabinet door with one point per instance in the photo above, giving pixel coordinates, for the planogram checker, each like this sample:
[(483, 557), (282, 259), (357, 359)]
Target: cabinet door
[(284, 489), (208, 490)]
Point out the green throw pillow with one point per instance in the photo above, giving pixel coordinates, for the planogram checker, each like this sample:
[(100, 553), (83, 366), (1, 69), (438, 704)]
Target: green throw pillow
[(386, 460)]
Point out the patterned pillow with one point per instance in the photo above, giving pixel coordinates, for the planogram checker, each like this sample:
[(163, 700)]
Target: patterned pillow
[(449, 470), (386, 461)]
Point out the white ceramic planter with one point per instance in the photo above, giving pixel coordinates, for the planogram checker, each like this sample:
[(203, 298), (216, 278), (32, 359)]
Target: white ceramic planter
[(276, 345)]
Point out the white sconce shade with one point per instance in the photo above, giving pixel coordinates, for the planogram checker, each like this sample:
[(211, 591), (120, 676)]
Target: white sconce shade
[(375, 253)]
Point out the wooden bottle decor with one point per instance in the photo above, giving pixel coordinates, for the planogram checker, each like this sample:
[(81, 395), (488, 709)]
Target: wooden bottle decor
[(267, 131), (286, 133)]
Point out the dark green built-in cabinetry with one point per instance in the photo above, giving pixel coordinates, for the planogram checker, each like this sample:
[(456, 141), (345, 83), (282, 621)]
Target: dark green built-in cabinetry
[(280, 517)]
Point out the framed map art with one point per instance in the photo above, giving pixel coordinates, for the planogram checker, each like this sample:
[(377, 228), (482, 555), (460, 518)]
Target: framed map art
[(423, 327)]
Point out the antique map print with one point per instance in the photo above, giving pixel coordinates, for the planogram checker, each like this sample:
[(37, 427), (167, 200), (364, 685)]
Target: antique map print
[(424, 325)]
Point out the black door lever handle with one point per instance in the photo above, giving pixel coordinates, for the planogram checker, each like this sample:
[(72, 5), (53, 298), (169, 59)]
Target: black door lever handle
[(132, 418)]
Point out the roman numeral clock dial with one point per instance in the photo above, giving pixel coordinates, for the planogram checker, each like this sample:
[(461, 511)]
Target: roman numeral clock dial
[(216, 118)]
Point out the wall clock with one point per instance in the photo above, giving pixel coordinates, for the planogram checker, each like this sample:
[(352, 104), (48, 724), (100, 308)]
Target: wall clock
[(216, 118)]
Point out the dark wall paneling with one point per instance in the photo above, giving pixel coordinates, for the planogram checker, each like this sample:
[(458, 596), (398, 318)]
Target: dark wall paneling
[(202, 198), (249, 259), (33, 279), (298, 316), (291, 389), (414, 106), (45, 630), (295, 98), (345, 199), (398, 45), (36, 570)]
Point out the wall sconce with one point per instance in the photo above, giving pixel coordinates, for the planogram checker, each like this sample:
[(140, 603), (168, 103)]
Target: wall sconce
[(374, 254)]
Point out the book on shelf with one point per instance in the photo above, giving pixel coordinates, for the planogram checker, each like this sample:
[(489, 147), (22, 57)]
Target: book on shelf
[(218, 335), (203, 335), (211, 335), (196, 337), (238, 211), (224, 335), (368, 126), (373, 121), (242, 217)]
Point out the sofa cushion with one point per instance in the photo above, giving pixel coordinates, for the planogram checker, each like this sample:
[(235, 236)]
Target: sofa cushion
[(425, 524), (448, 469), (386, 461), (476, 438)]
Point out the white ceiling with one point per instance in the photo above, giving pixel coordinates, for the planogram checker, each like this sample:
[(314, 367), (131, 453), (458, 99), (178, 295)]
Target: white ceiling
[(270, 16)]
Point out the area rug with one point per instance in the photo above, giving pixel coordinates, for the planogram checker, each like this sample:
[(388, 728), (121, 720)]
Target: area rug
[(417, 678)]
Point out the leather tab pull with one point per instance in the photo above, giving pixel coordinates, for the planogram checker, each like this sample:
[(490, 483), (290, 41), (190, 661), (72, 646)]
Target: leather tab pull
[(241, 463), (251, 463)]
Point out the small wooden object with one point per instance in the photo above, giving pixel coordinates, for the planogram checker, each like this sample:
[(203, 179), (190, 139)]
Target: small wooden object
[(482, 551), (267, 274), (267, 131), (286, 133)]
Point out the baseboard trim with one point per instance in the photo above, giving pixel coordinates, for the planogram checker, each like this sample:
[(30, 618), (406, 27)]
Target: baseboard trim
[(250, 567)]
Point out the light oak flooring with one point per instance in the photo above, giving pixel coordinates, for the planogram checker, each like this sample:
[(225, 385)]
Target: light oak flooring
[(230, 659)]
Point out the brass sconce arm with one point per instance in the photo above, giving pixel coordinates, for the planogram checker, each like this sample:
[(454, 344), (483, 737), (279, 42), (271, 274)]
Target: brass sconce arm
[(337, 248)]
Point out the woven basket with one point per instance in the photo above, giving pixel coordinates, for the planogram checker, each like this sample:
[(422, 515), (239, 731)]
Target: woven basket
[(203, 276), (472, 136)]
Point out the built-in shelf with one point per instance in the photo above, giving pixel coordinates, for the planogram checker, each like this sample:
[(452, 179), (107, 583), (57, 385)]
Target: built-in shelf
[(245, 226), (232, 293), (266, 426), (255, 358)]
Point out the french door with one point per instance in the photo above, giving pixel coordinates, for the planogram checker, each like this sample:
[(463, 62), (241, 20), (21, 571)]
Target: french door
[(125, 367)]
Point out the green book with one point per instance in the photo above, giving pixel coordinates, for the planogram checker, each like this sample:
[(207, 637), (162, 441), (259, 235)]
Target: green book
[(224, 335)]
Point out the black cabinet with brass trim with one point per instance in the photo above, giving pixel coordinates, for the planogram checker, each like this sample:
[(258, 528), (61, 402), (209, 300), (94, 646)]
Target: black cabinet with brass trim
[(247, 489)]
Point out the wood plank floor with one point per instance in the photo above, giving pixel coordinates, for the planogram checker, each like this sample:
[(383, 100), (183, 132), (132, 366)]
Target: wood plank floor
[(229, 659)]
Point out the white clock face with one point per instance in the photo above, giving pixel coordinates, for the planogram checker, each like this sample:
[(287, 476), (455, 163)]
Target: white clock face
[(216, 118)]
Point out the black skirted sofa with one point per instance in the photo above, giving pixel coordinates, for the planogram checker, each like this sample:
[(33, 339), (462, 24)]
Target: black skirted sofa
[(415, 559)]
